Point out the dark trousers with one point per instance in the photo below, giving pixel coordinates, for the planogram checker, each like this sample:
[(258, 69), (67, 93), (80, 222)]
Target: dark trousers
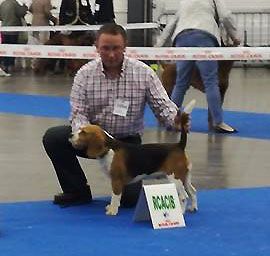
[(9, 39), (68, 169)]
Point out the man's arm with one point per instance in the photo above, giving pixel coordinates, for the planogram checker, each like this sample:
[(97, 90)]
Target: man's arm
[(157, 98), (168, 31), (47, 9), (21, 10), (78, 102), (226, 18)]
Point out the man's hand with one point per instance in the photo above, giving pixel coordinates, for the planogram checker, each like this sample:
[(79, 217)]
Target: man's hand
[(180, 117)]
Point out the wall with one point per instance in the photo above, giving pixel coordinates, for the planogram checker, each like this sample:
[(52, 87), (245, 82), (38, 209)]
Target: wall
[(233, 4)]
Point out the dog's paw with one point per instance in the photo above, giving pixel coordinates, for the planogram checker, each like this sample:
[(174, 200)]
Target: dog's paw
[(192, 208), (111, 210)]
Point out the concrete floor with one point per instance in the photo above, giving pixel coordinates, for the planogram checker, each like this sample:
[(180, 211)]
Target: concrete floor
[(218, 161)]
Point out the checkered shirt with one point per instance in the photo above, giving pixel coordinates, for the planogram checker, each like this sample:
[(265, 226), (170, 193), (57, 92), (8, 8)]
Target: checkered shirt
[(93, 97)]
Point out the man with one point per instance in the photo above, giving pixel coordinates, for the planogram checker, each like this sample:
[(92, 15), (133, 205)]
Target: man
[(196, 24), (110, 91)]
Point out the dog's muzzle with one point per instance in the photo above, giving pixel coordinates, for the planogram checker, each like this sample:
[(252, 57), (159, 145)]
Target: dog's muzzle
[(74, 140)]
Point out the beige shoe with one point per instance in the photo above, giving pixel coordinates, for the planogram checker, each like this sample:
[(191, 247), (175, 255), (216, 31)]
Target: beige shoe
[(224, 128), (3, 73)]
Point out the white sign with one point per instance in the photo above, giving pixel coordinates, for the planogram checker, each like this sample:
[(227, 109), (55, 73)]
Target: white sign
[(160, 202)]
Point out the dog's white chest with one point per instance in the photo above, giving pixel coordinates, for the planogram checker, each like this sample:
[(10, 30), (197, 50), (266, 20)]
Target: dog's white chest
[(106, 162)]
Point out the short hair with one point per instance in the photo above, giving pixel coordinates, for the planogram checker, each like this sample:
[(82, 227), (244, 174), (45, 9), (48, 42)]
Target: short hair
[(112, 29)]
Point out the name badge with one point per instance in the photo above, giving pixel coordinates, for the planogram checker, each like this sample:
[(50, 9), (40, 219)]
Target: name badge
[(120, 107)]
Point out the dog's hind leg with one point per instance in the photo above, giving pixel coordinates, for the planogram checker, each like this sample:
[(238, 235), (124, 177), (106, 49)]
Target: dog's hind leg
[(191, 191), (183, 196)]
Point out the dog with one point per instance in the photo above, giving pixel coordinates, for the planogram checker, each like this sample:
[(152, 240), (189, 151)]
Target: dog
[(123, 162), (168, 79)]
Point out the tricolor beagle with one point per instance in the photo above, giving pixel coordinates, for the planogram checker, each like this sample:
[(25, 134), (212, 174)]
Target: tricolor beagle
[(123, 161)]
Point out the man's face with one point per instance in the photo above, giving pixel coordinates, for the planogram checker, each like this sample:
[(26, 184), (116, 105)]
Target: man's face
[(111, 49)]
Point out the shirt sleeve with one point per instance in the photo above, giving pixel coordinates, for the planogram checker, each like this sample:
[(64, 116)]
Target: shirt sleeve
[(164, 109), (21, 10), (78, 102), (47, 9), (226, 18), (168, 31)]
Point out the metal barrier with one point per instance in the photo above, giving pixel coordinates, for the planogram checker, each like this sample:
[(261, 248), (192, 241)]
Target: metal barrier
[(254, 29)]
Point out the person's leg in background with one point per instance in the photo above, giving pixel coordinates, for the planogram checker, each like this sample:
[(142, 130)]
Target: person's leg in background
[(209, 73), (9, 62), (183, 71)]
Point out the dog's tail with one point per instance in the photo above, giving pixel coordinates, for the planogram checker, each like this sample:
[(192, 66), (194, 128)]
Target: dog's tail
[(184, 120)]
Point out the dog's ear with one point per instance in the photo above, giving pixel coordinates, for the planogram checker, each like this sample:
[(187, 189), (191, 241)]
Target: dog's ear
[(96, 145)]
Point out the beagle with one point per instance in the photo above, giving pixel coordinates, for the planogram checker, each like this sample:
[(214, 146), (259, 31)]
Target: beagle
[(123, 162)]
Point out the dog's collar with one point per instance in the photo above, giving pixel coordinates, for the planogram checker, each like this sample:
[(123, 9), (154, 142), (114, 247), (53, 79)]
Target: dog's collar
[(109, 135)]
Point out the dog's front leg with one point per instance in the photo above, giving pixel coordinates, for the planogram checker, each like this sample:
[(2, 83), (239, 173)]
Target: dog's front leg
[(112, 208), (117, 186)]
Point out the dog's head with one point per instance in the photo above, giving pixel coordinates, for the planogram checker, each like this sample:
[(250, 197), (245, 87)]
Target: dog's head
[(92, 139)]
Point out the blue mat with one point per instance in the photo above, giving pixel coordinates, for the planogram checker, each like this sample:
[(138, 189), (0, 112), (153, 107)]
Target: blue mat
[(250, 125), (34, 105), (229, 222)]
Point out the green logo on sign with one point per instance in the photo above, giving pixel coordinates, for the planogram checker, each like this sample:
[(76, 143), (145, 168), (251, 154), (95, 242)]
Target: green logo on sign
[(163, 202)]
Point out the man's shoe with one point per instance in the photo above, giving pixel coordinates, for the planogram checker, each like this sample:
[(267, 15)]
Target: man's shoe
[(224, 128), (66, 199)]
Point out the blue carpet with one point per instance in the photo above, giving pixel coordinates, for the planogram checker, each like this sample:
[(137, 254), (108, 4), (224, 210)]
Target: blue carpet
[(34, 105), (229, 222), (250, 125)]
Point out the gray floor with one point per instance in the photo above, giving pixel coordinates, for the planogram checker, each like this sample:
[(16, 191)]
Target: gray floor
[(218, 161)]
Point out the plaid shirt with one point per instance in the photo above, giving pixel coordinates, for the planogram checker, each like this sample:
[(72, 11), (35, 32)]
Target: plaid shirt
[(93, 97)]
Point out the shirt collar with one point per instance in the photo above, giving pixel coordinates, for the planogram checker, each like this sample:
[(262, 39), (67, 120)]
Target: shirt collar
[(123, 68)]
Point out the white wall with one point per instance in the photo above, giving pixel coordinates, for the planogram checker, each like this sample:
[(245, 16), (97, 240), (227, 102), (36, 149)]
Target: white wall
[(233, 4)]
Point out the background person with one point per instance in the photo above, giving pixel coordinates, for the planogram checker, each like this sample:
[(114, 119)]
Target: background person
[(196, 24), (11, 14), (42, 16), (104, 11)]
